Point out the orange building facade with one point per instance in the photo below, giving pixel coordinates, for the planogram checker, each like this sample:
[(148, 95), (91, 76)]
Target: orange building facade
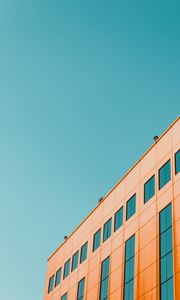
[(128, 247)]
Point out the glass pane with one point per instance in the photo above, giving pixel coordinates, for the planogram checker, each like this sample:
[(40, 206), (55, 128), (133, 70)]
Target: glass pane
[(167, 290), (107, 230), (131, 207), (129, 270), (164, 174), (165, 218), (170, 289), (75, 261), (129, 290), (105, 268), (118, 219), (97, 240), (83, 252), (166, 242), (149, 189), (58, 277), (64, 297), (130, 248), (166, 267), (66, 269), (81, 289), (177, 162), (104, 289), (163, 292), (51, 284)]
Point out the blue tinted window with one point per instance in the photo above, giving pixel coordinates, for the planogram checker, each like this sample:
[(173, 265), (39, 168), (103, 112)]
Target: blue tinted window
[(167, 291), (58, 277), (81, 286), (118, 219), (177, 162), (104, 284), (107, 230), (149, 189), (97, 240), (166, 254), (83, 252), (64, 297), (51, 284), (75, 261), (129, 269), (165, 218), (164, 174), (131, 207), (66, 269)]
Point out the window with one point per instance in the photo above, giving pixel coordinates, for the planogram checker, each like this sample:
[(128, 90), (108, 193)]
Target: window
[(177, 162), (149, 189), (83, 252), (166, 254), (58, 277), (51, 284), (64, 297), (97, 240), (107, 230), (75, 261), (66, 269), (131, 207), (164, 174), (129, 269), (118, 219), (81, 285), (104, 284)]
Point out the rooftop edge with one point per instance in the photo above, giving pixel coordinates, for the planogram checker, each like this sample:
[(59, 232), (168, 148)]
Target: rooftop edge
[(141, 157)]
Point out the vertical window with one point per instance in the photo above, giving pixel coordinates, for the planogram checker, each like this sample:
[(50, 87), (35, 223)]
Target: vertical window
[(97, 240), (131, 207), (83, 252), (129, 269), (149, 189), (51, 284), (58, 277), (81, 285), (166, 255), (66, 269), (164, 174), (177, 162), (107, 230), (104, 284), (75, 261), (118, 219), (64, 297)]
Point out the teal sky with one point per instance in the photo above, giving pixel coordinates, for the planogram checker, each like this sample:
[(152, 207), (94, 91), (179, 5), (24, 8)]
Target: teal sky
[(84, 87)]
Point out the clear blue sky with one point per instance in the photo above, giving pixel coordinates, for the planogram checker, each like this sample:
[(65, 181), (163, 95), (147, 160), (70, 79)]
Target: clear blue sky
[(84, 87)]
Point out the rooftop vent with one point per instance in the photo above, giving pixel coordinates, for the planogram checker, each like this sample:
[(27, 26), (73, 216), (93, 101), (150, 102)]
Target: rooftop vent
[(155, 138), (100, 199)]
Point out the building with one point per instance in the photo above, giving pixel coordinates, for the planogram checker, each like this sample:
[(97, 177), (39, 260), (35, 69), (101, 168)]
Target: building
[(128, 247)]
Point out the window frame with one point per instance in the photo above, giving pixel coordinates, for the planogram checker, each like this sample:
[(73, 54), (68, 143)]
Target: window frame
[(51, 287), (133, 197), (60, 271), (118, 211), (159, 171), (164, 227), (65, 295), (175, 155), (94, 236), (83, 259), (148, 181), (109, 221), (79, 282), (68, 262), (104, 278)]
